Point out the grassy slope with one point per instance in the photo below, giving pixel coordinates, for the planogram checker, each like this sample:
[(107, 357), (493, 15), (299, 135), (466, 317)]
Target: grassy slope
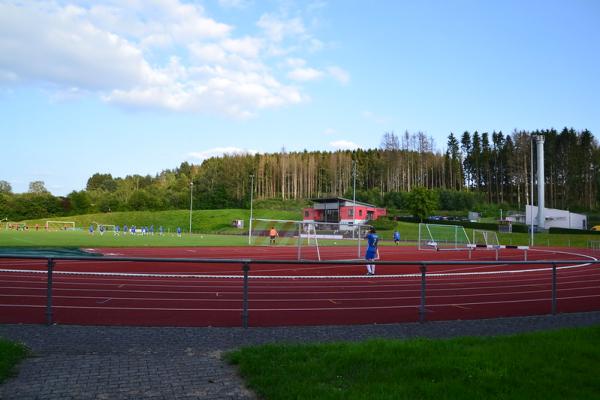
[(206, 221), (549, 365)]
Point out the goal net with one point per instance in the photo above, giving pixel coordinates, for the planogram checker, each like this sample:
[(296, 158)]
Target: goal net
[(311, 240), (483, 238), (60, 225), (443, 237)]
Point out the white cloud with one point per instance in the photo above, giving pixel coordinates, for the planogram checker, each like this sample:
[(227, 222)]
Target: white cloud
[(305, 74), (277, 29), (156, 54), (219, 152), (234, 3), (339, 74), (343, 145)]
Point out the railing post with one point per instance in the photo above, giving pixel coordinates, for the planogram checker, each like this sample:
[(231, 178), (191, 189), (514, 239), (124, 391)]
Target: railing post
[(422, 310), (553, 288), (245, 268), (49, 292)]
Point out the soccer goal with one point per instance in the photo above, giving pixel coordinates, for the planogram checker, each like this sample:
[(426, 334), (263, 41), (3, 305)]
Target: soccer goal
[(60, 225), (443, 237), (483, 238), (312, 240), (107, 227)]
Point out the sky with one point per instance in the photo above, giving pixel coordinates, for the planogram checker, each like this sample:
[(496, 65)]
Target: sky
[(139, 86)]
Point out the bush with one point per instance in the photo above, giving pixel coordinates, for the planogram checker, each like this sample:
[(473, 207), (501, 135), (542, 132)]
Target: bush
[(384, 224), (572, 231)]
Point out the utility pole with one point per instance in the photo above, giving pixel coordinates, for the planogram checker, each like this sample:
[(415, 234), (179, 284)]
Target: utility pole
[(191, 194), (251, 198)]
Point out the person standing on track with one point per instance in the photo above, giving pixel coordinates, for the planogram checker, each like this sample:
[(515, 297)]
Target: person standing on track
[(372, 251), (272, 235), (396, 237)]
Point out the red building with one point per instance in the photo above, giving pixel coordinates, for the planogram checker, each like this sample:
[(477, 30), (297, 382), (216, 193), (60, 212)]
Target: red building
[(340, 210)]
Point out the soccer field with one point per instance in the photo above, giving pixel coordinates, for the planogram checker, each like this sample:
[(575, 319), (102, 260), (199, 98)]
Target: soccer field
[(83, 239)]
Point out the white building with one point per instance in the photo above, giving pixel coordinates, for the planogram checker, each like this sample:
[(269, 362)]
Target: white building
[(555, 218)]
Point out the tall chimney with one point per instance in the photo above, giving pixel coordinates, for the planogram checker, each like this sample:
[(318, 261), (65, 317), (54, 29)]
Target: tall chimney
[(540, 178)]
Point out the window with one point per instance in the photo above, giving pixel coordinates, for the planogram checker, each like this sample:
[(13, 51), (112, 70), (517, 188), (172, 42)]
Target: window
[(306, 213), (360, 213), (351, 213)]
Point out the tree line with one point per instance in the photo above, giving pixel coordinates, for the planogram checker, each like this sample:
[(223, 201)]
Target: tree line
[(476, 168)]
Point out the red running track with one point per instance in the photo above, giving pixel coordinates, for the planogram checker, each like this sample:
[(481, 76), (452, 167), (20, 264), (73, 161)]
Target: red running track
[(85, 292)]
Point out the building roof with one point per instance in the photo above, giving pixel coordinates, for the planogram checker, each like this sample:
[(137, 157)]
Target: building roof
[(340, 199)]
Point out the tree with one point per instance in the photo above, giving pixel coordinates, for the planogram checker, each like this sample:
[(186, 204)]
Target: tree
[(5, 187), (80, 202), (37, 187), (101, 182), (390, 141), (422, 202)]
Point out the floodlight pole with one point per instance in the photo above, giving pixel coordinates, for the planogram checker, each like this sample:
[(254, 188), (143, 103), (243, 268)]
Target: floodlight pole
[(531, 198), (251, 198), (353, 197), (191, 193)]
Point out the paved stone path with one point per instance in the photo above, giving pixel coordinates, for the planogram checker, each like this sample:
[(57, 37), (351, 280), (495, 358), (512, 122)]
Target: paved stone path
[(89, 362)]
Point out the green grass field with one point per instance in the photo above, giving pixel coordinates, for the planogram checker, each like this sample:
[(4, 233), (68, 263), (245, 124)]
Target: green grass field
[(549, 365), (213, 228)]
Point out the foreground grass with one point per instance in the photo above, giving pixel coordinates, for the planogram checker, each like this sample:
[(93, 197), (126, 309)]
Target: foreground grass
[(10, 354), (549, 365)]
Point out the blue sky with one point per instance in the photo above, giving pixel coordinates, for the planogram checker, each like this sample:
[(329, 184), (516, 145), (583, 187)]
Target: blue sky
[(136, 87)]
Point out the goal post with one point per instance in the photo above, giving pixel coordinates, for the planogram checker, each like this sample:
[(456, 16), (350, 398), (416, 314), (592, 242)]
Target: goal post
[(442, 237), (60, 225), (483, 238), (313, 240)]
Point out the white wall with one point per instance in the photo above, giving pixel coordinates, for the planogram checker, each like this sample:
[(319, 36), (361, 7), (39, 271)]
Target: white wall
[(557, 218)]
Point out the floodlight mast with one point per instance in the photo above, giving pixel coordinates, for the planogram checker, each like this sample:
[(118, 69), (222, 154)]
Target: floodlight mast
[(191, 193), (251, 198), (531, 198)]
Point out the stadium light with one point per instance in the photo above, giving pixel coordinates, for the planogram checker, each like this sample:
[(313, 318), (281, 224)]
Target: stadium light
[(191, 193), (531, 198), (250, 223)]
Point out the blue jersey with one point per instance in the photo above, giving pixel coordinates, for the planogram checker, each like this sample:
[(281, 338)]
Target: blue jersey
[(372, 240), (396, 235)]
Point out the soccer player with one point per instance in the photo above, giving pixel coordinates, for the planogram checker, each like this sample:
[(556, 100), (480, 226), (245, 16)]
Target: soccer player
[(91, 229), (125, 228), (161, 230), (396, 237), (101, 229), (372, 251), (179, 231), (272, 235), (116, 233)]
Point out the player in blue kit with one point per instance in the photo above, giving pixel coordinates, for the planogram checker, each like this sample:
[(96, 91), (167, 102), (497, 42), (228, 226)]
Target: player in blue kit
[(396, 237), (372, 251)]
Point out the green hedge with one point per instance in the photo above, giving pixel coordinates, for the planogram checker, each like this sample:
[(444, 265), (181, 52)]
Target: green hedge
[(572, 231)]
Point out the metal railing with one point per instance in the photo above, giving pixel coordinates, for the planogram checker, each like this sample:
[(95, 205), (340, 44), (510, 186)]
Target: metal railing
[(51, 262)]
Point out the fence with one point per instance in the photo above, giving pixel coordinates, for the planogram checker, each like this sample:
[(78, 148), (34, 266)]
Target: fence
[(246, 268)]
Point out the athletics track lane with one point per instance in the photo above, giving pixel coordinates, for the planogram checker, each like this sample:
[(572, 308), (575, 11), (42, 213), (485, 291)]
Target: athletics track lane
[(161, 301)]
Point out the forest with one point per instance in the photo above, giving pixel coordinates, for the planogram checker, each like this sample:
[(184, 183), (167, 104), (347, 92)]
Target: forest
[(475, 169)]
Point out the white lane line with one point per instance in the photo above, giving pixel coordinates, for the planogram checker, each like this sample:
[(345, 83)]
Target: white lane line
[(237, 309)]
